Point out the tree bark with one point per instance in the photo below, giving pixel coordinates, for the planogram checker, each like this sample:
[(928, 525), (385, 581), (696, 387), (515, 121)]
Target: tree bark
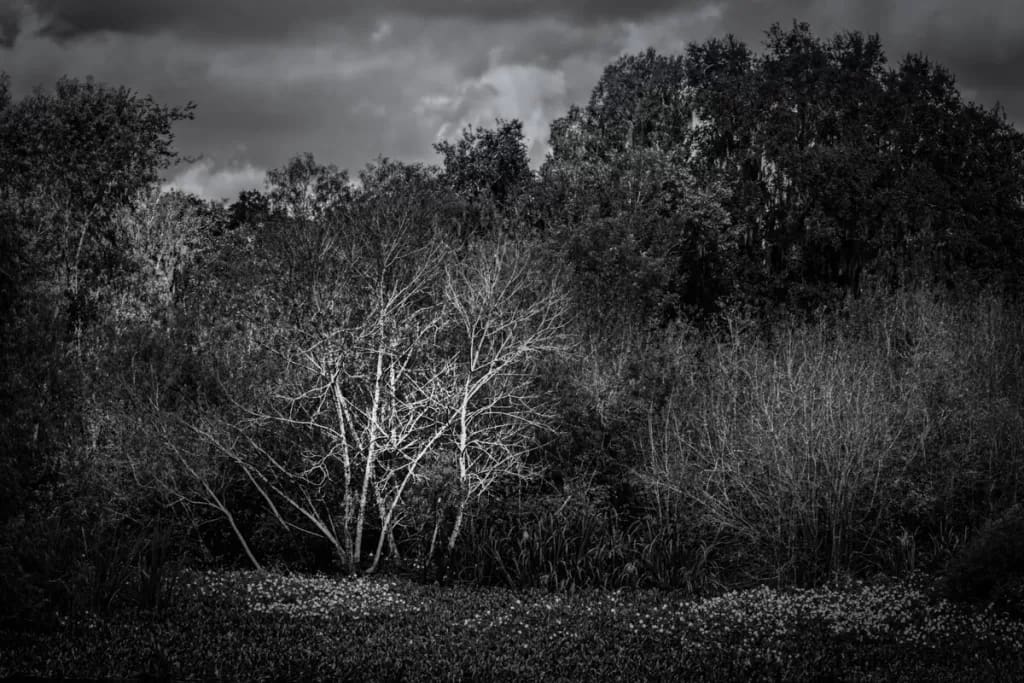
[(371, 449)]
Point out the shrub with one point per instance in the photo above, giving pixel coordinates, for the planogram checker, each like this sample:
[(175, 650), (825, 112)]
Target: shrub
[(958, 362), (870, 440), (779, 449), (554, 541), (991, 567)]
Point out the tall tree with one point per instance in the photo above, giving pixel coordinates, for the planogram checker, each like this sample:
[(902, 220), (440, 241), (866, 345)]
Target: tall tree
[(645, 237), (305, 201), (69, 161), (485, 164), (74, 157), (486, 171), (640, 101), (838, 163), (72, 160)]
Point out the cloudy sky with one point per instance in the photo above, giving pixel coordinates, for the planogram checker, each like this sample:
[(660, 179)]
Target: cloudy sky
[(350, 81)]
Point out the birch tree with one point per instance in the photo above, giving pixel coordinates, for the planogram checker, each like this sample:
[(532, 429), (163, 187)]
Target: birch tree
[(351, 385), (415, 359), (504, 319)]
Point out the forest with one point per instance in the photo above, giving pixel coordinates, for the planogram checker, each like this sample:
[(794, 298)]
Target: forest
[(755, 321)]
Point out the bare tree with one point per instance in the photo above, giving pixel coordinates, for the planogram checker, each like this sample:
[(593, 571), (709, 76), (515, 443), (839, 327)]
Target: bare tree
[(416, 358), (354, 385), (505, 319), (199, 483)]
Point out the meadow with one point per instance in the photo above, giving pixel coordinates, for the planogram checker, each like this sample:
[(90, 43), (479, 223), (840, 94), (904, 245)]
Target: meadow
[(243, 625)]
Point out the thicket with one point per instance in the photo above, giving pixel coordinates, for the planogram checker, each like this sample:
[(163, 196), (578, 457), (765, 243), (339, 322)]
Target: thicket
[(755, 319)]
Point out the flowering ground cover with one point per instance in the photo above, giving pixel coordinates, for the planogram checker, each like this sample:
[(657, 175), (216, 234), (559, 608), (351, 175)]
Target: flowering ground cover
[(249, 626)]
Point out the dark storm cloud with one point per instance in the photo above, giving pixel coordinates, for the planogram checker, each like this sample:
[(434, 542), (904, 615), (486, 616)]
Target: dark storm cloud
[(982, 43), (252, 20), (10, 22)]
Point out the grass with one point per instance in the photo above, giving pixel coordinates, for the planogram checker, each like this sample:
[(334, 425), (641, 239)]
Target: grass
[(250, 626)]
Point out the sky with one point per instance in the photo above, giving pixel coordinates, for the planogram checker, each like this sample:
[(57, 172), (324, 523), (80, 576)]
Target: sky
[(351, 81)]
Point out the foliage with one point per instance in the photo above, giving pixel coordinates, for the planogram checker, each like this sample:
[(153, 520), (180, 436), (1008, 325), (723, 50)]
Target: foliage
[(840, 166), (829, 164), (301, 627), (784, 449), (577, 539), (640, 102), (992, 566), (87, 144), (647, 244), (71, 160), (94, 256), (487, 166), (834, 444), (485, 183), (84, 557)]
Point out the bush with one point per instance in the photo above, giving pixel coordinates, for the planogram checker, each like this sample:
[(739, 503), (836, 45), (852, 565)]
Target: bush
[(80, 545), (580, 539), (870, 440), (779, 449), (991, 567), (958, 362), (549, 540)]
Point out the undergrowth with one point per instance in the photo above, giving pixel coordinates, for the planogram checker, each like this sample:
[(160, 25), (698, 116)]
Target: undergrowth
[(251, 626)]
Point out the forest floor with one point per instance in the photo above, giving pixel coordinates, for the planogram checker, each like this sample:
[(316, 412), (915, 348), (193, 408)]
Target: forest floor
[(272, 626)]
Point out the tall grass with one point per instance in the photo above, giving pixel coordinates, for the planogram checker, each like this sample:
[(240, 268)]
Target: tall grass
[(579, 540), (781, 448), (848, 443)]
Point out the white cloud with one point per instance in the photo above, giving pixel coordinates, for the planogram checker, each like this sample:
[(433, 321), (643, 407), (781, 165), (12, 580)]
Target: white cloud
[(671, 35), (383, 31), (532, 94), (202, 179)]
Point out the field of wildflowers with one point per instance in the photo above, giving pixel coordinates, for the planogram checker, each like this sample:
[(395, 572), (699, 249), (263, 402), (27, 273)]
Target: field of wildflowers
[(263, 626)]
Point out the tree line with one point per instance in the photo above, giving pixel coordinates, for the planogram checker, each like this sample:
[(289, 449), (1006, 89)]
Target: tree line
[(709, 328)]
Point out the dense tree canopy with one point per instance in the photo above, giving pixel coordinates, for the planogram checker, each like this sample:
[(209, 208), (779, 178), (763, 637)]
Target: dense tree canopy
[(832, 163), (70, 160), (486, 164)]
